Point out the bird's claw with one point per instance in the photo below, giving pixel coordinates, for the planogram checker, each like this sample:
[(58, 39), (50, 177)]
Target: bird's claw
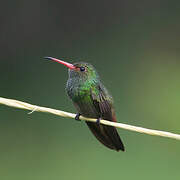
[(98, 121), (77, 117)]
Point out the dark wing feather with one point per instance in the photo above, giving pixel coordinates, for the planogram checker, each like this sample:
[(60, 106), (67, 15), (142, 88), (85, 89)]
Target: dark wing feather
[(105, 134)]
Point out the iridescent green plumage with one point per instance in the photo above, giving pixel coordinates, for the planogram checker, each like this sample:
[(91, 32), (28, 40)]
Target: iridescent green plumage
[(92, 99)]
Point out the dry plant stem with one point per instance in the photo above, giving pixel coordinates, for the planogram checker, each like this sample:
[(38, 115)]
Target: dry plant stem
[(23, 105)]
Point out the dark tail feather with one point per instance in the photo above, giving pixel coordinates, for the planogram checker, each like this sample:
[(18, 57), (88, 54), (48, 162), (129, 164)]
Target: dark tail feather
[(107, 135)]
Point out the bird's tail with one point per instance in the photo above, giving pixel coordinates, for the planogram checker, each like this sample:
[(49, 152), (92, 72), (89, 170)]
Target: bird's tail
[(107, 135)]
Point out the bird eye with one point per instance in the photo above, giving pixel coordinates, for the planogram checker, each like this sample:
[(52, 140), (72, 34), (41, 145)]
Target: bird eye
[(82, 68)]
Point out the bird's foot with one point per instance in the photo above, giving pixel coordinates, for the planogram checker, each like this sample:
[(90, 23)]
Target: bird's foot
[(98, 120), (77, 117)]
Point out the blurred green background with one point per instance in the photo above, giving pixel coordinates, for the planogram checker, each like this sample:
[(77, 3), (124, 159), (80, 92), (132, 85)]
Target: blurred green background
[(135, 46)]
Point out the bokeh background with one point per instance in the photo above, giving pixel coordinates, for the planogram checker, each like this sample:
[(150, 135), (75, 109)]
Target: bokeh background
[(135, 45)]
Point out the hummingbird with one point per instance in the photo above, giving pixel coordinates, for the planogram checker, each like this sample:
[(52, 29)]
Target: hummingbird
[(91, 99)]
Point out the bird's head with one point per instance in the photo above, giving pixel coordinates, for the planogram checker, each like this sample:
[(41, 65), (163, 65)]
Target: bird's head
[(78, 70)]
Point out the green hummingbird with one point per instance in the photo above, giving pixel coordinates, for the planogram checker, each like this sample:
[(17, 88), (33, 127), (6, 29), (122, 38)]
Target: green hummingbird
[(91, 99)]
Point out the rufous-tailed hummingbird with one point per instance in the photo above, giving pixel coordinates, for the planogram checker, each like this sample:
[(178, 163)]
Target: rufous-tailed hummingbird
[(91, 99)]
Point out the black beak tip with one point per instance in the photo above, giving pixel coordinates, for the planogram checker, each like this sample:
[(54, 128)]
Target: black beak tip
[(47, 57)]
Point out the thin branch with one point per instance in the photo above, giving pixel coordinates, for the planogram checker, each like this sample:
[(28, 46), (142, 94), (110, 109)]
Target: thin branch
[(23, 105)]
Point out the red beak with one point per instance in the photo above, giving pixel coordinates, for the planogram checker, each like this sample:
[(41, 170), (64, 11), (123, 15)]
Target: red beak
[(70, 66)]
